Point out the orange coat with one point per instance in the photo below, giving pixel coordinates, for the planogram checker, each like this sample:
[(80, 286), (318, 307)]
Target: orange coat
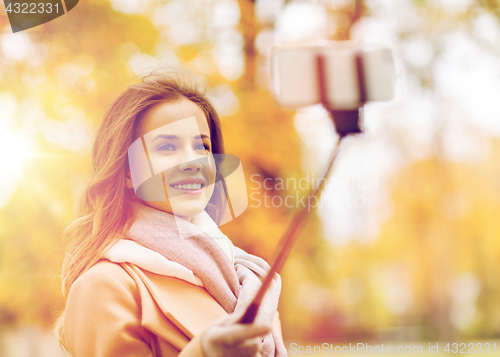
[(119, 309)]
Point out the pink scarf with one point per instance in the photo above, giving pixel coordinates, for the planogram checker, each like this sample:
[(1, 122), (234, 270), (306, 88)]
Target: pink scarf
[(194, 249)]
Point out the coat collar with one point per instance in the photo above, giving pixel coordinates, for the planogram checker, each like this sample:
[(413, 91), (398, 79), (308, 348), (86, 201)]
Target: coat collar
[(187, 307)]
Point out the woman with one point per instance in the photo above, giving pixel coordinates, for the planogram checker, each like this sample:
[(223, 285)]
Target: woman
[(148, 272)]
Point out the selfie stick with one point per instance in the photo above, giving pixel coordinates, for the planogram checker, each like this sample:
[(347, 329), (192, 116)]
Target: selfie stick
[(346, 122)]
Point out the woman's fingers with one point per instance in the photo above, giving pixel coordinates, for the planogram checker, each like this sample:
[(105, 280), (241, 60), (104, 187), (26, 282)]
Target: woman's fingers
[(239, 333), (250, 346), (236, 339)]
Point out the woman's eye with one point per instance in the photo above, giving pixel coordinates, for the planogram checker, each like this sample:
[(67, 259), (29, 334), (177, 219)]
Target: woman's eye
[(203, 147), (167, 147)]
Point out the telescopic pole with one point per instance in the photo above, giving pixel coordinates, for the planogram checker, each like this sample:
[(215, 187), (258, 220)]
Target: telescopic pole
[(287, 241), (346, 122)]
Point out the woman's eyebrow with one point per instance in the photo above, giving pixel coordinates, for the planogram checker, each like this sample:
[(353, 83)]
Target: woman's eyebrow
[(165, 136), (202, 136), (175, 137)]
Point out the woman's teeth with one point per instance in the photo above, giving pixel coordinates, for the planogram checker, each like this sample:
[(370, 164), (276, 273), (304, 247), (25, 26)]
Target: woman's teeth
[(189, 186)]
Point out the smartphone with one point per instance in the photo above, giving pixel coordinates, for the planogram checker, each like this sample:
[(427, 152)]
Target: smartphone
[(352, 75)]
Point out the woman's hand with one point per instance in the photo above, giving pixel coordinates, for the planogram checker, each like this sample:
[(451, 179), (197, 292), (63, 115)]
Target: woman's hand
[(226, 337)]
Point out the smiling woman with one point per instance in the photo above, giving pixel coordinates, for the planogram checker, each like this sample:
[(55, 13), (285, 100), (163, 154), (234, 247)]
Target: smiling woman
[(148, 272)]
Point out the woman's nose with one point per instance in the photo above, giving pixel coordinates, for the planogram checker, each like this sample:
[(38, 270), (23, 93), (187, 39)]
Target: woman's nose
[(191, 163)]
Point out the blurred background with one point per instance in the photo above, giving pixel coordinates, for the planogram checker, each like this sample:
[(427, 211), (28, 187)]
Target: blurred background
[(404, 245)]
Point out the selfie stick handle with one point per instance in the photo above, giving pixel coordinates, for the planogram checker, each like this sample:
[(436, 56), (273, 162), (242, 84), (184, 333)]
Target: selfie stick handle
[(346, 122)]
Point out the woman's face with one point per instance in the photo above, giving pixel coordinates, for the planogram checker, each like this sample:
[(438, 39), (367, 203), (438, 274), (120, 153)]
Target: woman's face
[(177, 141)]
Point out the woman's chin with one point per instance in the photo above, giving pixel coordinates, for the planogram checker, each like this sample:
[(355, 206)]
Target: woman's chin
[(187, 212)]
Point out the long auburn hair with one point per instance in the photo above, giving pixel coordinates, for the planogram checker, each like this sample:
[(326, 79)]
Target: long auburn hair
[(103, 210)]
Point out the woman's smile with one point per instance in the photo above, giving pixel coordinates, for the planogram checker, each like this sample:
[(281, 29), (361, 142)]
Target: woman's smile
[(189, 186)]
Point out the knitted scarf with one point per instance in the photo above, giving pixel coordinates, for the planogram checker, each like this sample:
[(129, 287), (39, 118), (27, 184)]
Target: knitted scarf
[(185, 243)]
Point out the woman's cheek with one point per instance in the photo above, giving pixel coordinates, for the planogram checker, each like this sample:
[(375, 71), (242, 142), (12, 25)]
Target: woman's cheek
[(165, 163), (210, 192), (210, 175)]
